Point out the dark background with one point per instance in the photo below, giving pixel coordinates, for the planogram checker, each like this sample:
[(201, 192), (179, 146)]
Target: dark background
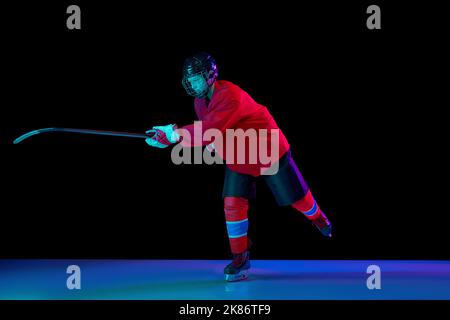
[(362, 109)]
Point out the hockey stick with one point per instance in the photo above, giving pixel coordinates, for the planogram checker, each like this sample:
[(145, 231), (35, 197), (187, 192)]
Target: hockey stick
[(86, 131)]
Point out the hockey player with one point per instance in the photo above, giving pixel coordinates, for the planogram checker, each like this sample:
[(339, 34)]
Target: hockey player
[(222, 105)]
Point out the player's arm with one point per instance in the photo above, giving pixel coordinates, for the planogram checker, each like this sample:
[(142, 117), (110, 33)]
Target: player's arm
[(192, 135)]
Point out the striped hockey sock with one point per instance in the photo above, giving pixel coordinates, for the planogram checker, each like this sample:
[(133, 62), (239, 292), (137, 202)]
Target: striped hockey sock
[(236, 209)]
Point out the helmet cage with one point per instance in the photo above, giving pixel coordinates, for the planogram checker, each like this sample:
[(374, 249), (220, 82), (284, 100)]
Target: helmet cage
[(206, 69), (209, 80)]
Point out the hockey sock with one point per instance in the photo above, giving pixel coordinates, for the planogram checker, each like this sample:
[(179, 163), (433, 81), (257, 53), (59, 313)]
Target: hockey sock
[(309, 207), (236, 209)]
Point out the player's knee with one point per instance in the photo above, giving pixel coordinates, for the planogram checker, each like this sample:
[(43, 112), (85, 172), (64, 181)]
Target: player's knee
[(235, 208), (235, 202)]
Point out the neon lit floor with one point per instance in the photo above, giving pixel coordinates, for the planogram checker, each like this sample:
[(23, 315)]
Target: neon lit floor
[(203, 280)]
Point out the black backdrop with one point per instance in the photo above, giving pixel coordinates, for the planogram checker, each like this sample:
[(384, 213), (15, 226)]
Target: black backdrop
[(361, 109)]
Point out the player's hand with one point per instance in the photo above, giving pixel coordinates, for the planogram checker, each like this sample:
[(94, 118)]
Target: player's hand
[(163, 136)]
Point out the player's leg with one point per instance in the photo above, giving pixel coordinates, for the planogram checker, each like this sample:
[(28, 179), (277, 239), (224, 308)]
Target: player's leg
[(289, 188), (309, 207), (236, 216), (238, 188)]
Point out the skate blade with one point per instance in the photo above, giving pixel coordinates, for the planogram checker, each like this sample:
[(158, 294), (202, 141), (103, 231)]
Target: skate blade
[(237, 277)]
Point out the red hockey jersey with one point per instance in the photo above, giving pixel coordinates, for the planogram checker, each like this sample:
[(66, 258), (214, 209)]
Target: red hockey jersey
[(232, 108)]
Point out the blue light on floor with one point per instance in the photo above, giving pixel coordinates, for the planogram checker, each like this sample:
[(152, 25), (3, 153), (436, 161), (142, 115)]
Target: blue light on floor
[(204, 280)]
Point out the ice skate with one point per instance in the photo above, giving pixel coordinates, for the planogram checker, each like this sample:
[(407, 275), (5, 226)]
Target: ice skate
[(323, 225), (238, 269)]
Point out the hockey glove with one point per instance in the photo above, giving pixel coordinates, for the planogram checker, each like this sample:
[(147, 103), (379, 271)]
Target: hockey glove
[(163, 137)]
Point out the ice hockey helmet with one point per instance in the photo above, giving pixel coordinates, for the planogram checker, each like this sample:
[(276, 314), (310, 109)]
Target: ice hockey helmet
[(202, 64)]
